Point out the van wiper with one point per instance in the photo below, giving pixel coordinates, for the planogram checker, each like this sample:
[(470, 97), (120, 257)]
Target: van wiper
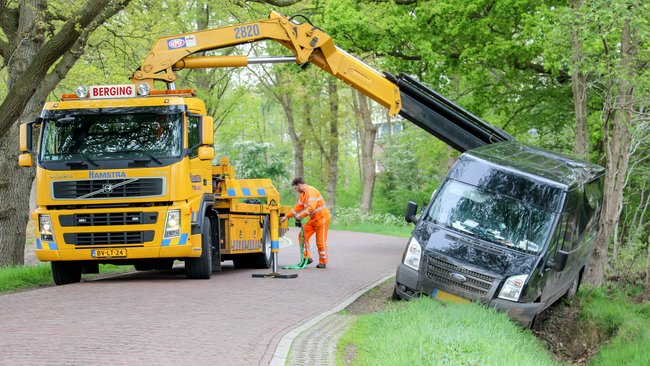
[(150, 155)]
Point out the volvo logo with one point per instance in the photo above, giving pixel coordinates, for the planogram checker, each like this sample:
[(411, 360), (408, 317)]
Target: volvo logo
[(107, 188), (457, 277)]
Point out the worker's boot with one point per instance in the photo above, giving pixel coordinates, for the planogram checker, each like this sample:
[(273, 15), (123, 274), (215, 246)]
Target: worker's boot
[(309, 261), (321, 265)]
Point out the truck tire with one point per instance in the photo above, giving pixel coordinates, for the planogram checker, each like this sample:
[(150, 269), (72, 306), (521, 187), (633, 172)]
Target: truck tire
[(215, 245), (64, 273), (264, 260), (201, 267)]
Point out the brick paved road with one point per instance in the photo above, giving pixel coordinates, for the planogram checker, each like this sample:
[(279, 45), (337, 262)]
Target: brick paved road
[(157, 318)]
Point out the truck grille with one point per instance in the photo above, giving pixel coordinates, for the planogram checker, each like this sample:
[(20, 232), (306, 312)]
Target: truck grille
[(113, 218), (440, 271), (110, 238), (108, 188)]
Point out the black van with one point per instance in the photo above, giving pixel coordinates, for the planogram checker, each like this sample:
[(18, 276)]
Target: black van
[(511, 226)]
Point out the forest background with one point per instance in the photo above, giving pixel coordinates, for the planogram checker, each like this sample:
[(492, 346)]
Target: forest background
[(568, 76)]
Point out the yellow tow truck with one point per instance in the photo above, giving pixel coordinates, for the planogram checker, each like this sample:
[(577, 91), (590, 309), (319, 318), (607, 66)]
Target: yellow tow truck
[(124, 173)]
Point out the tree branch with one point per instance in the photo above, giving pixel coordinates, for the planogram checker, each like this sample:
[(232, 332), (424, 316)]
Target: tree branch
[(280, 3), (83, 22), (9, 21)]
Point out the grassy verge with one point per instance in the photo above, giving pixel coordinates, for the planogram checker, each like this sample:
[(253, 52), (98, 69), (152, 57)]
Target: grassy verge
[(626, 322), (375, 228), (26, 277), (426, 332)]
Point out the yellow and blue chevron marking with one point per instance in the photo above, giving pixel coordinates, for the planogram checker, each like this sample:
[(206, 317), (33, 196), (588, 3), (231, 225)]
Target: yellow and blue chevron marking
[(182, 240), (41, 245)]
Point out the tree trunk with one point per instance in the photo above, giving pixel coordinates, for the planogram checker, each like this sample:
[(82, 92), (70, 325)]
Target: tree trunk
[(333, 156), (29, 84), (368, 134), (297, 142), (646, 291), (617, 138), (579, 87)]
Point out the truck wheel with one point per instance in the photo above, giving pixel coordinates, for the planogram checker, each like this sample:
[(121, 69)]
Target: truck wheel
[(64, 273), (263, 260), (201, 267), (216, 248)]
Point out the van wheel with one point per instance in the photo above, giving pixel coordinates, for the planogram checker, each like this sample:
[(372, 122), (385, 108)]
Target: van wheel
[(201, 267), (64, 273), (263, 260)]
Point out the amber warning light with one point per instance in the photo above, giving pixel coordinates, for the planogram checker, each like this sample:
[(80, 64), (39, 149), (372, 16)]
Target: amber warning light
[(112, 91)]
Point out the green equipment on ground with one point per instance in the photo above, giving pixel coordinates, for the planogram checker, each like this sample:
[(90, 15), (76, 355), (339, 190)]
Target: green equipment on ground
[(304, 261)]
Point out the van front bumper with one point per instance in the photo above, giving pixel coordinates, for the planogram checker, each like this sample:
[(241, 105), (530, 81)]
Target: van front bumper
[(523, 313), (408, 287), (406, 282)]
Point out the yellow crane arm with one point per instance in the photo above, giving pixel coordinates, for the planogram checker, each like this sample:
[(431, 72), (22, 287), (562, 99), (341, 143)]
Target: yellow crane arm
[(308, 44)]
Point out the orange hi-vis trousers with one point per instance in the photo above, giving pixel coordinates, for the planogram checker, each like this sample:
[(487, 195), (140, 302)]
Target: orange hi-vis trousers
[(318, 224)]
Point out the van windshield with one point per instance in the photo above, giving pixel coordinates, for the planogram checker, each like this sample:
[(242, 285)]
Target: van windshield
[(496, 218)]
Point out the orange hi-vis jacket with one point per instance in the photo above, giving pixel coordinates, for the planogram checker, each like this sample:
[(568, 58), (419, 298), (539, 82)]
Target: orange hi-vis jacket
[(310, 203)]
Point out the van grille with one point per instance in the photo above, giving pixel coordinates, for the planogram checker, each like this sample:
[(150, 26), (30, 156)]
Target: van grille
[(440, 271), (110, 238), (108, 188)]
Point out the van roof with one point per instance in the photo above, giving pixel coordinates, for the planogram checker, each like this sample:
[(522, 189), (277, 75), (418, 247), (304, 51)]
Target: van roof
[(514, 155)]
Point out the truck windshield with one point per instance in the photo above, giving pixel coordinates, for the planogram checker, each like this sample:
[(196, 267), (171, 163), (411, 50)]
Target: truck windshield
[(112, 136), (496, 218)]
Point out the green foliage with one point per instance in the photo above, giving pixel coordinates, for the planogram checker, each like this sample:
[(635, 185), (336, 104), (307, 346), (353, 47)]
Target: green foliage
[(425, 332), (626, 322), (255, 160)]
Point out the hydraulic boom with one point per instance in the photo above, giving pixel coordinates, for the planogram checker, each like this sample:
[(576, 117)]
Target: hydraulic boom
[(401, 95)]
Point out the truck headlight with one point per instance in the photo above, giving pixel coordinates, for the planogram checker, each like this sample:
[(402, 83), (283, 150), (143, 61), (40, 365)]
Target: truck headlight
[(45, 226), (173, 224), (413, 254), (512, 288)]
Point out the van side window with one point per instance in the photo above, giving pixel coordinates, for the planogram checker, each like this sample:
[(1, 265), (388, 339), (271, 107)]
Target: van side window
[(592, 206), (193, 135), (570, 231)]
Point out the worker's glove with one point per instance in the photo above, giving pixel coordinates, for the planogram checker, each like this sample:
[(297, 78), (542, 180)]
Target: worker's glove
[(298, 223)]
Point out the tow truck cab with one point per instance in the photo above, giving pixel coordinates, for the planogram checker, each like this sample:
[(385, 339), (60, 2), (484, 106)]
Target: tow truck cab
[(511, 226)]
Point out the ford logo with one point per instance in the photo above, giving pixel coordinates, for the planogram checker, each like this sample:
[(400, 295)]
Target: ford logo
[(457, 277)]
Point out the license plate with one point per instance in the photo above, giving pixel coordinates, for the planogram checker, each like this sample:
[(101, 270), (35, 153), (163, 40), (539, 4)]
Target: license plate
[(108, 253), (447, 297)]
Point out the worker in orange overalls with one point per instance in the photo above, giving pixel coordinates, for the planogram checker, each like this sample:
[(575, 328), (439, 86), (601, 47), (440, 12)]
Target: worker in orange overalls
[(311, 203)]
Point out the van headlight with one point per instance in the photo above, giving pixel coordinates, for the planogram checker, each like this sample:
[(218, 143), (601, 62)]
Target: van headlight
[(413, 254), (511, 290), (45, 226), (173, 224)]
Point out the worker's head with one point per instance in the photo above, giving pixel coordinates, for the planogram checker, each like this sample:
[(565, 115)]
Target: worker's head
[(298, 184)]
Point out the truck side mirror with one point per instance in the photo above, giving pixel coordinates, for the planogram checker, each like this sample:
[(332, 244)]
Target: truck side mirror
[(206, 131), (25, 137), (411, 210), (25, 158), (559, 261), (206, 152)]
